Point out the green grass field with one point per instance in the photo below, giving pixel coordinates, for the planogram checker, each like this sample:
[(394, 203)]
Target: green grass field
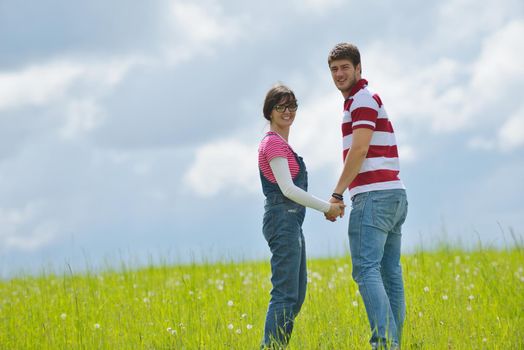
[(455, 300)]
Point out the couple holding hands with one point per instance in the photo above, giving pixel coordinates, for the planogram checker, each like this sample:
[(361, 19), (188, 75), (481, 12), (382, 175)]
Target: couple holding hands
[(378, 210)]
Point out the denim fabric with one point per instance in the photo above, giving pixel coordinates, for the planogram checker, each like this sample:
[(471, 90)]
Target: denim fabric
[(282, 229), (375, 238)]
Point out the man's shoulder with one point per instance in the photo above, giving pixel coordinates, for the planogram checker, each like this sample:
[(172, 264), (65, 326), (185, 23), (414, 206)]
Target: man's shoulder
[(365, 98)]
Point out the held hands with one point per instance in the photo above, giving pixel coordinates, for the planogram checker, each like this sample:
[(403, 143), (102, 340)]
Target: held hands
[(336, 209)]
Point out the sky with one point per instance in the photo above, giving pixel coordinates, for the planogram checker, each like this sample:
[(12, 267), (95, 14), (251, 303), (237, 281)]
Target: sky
[(129, 130)]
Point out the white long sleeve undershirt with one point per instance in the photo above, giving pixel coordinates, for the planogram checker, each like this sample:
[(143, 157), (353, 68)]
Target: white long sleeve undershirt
[(280, 168)]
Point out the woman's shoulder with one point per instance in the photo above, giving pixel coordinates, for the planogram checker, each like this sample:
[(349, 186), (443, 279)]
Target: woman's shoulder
[(272, 141)]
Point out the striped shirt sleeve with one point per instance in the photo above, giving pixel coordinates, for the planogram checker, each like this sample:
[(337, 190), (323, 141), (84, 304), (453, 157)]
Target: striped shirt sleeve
[(364, 112), (275, 147)]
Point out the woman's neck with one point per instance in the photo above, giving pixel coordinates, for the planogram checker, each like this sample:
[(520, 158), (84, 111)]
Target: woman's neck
[(284, 133)]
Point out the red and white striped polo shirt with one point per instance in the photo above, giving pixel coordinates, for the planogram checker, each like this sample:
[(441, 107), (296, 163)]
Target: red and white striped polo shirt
[(380, 170)]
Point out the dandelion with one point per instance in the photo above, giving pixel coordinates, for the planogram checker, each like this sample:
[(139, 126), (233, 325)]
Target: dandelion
[(471, 297), (420, 314), (238, 331), (249, 326), (426, 289), (146, 300), (173, 331), (469, 308), (340, 269), (230, 326), (457, 277), (444, 297), (355, 303), (191, 292), (220, 287), (97, 326), (316, 275), (169, 329), (63, 316), (243, 316), (230, 303), (484, 340)]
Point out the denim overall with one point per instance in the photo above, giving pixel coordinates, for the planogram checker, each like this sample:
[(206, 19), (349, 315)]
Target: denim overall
[(282, 229)]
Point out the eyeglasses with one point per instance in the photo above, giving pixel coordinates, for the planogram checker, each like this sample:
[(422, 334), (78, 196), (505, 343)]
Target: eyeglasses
[(282, 108)]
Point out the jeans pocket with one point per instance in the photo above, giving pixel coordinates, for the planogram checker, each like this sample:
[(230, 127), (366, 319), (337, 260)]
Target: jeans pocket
[(384, 213)]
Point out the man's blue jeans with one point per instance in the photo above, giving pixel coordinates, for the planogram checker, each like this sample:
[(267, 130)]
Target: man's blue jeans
[(374, 239)]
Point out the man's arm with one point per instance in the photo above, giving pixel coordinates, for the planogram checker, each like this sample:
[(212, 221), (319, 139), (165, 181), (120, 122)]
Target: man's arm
[(354, 159)]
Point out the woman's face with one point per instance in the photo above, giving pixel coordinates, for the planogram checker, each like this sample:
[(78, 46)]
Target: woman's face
[(283, 114)]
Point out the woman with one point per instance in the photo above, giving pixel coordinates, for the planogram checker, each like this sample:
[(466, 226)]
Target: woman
[(284, 183)]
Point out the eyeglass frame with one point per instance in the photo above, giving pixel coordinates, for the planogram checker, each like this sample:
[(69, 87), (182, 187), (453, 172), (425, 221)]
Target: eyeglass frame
[(291, 108)]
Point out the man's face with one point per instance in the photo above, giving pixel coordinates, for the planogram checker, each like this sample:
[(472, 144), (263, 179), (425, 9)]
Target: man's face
[(344, 75)]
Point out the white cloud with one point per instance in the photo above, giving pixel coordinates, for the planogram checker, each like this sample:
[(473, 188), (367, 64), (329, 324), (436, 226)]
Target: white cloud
[(316, 134), (511, 134), (45, 83), (461, 21), (37, 85), (499, 66), (227, 164), (82, 116), (26, 228), (482, 143), (199, 28), (317, 6), (447, 94)]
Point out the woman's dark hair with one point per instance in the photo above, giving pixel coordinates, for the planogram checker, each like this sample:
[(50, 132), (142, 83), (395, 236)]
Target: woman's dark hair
[(277, 94)]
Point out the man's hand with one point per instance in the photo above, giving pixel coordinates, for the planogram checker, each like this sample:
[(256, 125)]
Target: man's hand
[(337, 209)]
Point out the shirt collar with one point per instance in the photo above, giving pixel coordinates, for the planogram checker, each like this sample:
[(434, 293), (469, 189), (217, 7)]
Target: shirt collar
[(358, 86)]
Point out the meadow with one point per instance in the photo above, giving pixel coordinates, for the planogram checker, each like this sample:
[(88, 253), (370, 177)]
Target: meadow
[(456, 299)]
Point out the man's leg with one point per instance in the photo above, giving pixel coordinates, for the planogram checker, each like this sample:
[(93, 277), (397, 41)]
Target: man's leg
[(367, 242), (392, 269), (393, 282)]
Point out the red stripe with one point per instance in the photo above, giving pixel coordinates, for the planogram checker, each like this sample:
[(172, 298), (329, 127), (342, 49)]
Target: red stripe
[(382, 151), (364, 113), (384, 124), (375, 176), (347, 104), (377, 98), (346, 129)]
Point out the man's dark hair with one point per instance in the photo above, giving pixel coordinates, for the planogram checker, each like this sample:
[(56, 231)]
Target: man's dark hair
[(278, 93), (345, 51)]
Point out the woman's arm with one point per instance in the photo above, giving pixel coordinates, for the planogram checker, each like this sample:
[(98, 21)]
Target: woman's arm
[(280, 168)]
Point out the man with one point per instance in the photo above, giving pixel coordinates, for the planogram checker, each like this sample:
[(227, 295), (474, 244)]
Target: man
[(379, 204)]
